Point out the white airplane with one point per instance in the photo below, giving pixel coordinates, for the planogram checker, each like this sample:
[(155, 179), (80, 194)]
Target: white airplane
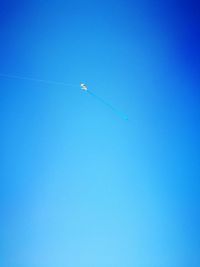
[(83, 87)]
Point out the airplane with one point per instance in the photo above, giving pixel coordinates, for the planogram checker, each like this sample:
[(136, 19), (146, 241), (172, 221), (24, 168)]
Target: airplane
[(83, 87)]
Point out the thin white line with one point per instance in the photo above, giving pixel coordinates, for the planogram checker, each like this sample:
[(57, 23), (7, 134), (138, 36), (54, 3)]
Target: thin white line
[(36, 80)]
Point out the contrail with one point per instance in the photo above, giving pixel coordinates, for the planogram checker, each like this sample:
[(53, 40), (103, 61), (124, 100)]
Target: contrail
[(35, 80), (115, 110), (83, 87)]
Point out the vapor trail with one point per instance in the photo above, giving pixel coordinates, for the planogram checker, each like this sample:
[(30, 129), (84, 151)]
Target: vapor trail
[(35, 80), (115, 110), (83, 87)]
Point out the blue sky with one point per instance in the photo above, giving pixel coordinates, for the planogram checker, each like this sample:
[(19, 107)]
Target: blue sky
[(79, 185)]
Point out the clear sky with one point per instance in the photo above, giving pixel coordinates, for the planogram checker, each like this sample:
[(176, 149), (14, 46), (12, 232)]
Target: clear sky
[(81, 187)]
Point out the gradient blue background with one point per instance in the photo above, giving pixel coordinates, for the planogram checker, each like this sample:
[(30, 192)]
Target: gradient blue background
[(80, 187)]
